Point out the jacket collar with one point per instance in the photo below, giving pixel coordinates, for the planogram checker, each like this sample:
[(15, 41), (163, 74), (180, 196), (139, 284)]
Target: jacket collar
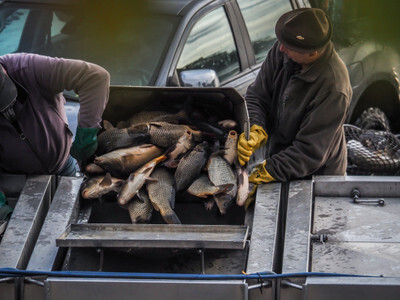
[(315, 70)]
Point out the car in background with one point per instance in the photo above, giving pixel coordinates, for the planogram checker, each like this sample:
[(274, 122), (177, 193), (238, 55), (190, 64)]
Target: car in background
[(183, 43)]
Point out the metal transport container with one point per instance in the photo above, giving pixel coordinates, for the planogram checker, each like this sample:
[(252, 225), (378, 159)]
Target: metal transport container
[(80, 235), (331, 237)]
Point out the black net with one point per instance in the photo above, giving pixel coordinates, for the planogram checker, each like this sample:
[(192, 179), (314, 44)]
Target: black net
[(372, 152)]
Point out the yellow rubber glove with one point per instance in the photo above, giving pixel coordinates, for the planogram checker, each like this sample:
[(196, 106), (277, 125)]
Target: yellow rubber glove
[(260, 174), (245, 148)]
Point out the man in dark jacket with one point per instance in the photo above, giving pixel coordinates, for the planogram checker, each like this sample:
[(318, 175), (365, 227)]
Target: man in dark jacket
[(35, 135), (298, 103)]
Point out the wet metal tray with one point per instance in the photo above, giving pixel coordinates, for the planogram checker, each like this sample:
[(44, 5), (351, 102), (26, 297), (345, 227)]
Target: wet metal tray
[(154, 235)]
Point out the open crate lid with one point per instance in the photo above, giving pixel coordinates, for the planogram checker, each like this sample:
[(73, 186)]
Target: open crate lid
[(126, 100)]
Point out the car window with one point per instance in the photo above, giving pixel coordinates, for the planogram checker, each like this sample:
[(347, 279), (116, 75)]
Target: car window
[(11, 26), (260, 17), (210, 45), (131, 48)]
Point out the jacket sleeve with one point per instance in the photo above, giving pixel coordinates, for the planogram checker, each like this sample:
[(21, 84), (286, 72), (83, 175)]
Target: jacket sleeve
[(91, 82), (320, 135), (259, 93)]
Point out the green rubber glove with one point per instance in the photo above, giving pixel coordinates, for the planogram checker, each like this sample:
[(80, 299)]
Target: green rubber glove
[(5, 210), (85, 143)]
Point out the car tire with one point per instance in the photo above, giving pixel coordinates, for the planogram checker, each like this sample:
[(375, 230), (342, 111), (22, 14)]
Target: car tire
[(373, 118)]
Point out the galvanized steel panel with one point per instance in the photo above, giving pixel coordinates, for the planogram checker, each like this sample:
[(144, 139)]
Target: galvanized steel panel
[(370, 186), (154, 235), (99, 289), (298, 227), (63, 211), (263, 243), (357, 258), (345, 221), (361, 238), (25, 223), (351, 288)]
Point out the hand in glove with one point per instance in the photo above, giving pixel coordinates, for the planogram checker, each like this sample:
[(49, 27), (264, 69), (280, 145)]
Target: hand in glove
[(260, 174), (85, 143), (245, 148)]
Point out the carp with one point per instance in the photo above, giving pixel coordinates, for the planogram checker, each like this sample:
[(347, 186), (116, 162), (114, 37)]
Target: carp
[(92, 168), (164, 134), (126, 160), (243, 184), (145, 116), (230, 147), (140, 208), (221, 173), (202, 187), (190, 165), (136, 180), (114, 138), (184, 144), (161, 191), (97, 186)]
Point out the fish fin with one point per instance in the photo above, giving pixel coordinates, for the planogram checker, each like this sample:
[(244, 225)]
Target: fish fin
[(209, 204), (149, 179), (107, 125), (141, 128), (224, 188), (171, 164), (171, 218), (107, 181), (155, 206), (203, 196)]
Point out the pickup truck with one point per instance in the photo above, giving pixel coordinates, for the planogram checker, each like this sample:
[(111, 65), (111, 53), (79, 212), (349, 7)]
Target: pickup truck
[(193, 43)]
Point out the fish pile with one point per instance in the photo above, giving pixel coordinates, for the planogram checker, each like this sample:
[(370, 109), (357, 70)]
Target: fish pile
[(149, 158)]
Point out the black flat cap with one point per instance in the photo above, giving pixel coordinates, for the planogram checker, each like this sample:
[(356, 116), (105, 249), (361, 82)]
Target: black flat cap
[(304, 29)]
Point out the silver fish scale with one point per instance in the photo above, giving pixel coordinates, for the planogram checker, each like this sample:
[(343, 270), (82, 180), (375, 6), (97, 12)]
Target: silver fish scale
[(219, 171), (190, 166), (162, 191), (202, 186), (145, 116), (166, 134), (140, 209), (113, 139)]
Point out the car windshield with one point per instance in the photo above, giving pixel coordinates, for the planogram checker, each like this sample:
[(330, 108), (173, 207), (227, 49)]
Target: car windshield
[(129, 43)]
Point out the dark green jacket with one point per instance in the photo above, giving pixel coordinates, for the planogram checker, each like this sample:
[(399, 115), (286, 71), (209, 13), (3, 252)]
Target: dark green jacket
[(303, 114)]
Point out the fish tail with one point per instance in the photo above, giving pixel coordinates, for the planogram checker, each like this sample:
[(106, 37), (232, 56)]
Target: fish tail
[(171, 218)]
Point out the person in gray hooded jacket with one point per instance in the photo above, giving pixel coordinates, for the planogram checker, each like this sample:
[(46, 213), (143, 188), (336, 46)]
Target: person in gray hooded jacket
[(299, 102)]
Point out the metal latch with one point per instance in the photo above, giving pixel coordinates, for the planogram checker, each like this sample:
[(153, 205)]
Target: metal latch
[(322, 238), (355, 193)]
